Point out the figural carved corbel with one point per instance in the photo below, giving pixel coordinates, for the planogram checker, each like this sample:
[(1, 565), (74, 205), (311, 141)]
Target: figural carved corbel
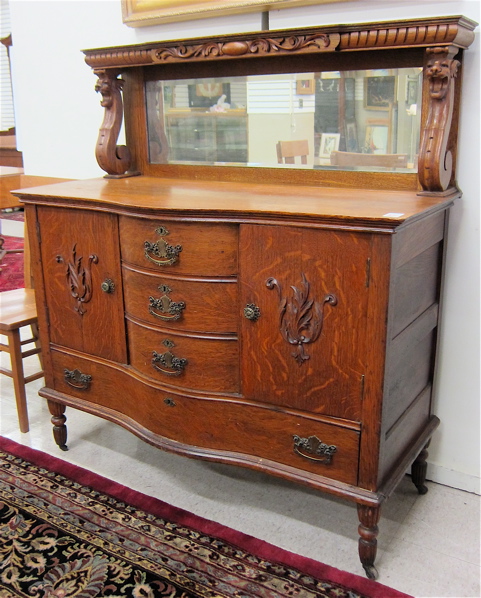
[(435, 166), (114, 159)]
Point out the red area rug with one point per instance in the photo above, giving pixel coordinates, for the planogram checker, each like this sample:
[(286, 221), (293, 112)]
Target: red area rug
[(16, 214), (11, 265), (66, 531)]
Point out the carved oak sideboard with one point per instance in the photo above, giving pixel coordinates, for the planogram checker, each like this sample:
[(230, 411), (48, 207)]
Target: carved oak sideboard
[(276, 317)]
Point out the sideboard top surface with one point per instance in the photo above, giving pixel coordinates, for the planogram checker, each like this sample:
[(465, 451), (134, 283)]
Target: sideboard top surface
[(225, 200)]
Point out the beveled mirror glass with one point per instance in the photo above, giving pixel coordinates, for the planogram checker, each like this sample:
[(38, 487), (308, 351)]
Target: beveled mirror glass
[(351, 120)]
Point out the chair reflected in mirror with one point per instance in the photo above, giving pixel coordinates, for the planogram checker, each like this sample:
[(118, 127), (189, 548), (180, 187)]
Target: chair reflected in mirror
[(288, 151)]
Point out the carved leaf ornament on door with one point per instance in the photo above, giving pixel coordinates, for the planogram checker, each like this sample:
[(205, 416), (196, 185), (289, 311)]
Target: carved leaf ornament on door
[(301, 318), (79, 278)]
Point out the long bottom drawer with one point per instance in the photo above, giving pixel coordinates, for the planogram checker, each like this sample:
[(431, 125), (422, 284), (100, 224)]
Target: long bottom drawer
[(225, 425)]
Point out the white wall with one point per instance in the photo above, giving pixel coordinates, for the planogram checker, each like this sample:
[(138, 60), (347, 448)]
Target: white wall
[(58, 115)]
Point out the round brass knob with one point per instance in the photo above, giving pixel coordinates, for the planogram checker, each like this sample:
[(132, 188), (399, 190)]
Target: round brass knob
[(108, 286), (252, 312)]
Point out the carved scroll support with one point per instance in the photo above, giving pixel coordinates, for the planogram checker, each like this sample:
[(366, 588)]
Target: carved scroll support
[(435, 166), (114, 159)]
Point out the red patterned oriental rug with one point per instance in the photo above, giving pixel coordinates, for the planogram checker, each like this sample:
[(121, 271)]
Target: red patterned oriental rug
[(11, 264), (67, 532)]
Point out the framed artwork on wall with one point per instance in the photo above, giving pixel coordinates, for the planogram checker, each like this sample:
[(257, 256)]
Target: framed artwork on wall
[(305, 86), (379, 92), (377, 139), (140, 13), (329, 144)]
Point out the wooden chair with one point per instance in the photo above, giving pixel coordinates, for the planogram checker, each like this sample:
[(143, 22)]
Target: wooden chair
[(369, 160), (18, 309), (287, 151)]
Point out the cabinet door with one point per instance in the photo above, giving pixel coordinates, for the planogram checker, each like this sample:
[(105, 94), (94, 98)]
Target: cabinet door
[(81, 265), (303, 335)]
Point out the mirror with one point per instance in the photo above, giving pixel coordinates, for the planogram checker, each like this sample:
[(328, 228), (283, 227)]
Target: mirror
[(351, 120)]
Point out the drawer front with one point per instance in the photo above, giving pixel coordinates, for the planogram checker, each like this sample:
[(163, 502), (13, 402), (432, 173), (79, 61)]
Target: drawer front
[(181, 304), (206, 249), (244, 433), (200, 363)]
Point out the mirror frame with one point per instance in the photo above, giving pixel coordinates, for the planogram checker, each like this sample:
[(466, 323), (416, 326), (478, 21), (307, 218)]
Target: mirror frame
[(436, 44)]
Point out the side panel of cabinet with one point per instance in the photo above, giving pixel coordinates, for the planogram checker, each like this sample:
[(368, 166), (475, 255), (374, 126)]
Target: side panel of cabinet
[(80, 252), (306, 349)]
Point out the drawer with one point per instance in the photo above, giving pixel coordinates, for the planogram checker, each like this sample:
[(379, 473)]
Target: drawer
[(205, 249), (243, 433), (267, 434), (196, 362), (181, 304)]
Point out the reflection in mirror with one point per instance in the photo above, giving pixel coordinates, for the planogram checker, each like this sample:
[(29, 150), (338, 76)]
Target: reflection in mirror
[(356, 120)]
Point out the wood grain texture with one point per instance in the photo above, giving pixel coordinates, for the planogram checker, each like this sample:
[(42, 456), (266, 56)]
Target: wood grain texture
[(329, 379), (65, 248), (222, 201)]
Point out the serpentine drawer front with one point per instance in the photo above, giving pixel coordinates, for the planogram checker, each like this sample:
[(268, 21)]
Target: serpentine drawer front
[(201, 424), (201, 362), (182, 302), (166, 246)]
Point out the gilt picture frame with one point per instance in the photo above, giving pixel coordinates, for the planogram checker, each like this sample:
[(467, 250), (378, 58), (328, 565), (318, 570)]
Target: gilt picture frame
[(140, 13)]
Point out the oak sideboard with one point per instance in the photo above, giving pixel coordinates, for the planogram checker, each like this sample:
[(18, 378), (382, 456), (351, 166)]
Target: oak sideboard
[(226, 300)]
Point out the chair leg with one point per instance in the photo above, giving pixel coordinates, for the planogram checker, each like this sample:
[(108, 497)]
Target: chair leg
[(18, 378), (35, 334)]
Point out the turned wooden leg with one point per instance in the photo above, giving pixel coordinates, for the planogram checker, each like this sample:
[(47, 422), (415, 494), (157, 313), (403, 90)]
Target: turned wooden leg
[(58, 420), (368, 530), (418, 470)]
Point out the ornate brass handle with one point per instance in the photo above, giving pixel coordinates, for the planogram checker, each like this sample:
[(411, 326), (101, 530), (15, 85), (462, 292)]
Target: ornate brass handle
[(164, 308), (167, 363), (314, 449), (161, 253), (252, 312), (108, 286), (76, 379)]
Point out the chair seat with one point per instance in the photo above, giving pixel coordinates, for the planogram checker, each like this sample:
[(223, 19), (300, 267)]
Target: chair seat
[(17, 309)]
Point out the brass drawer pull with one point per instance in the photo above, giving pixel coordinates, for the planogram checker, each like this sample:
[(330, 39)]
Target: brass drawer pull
[(161, 253), (167, 363), (76, 379), (306, 447), (164, 308)]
